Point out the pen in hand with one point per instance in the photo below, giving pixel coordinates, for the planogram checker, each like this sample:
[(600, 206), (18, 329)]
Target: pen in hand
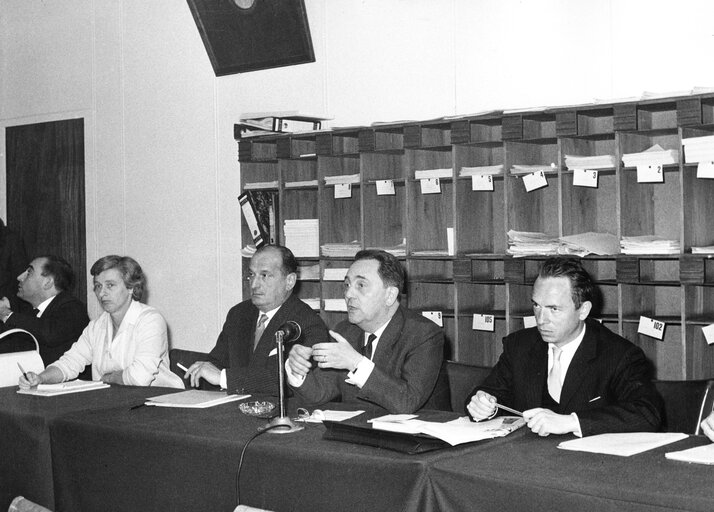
[(509, 409), (182, 367), (24, 373)]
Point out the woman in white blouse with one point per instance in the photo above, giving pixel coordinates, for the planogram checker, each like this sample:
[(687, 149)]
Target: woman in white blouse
[(127, 344)]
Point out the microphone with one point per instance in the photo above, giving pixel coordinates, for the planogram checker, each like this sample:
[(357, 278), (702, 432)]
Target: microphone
[(291, 331)]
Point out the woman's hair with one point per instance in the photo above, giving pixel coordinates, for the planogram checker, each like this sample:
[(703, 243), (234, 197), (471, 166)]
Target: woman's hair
[(131, 273)]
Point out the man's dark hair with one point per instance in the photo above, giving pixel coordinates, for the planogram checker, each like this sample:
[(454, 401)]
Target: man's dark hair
[(581, 284), (59, 269), (290, 264), (390, 270), (131, 273)]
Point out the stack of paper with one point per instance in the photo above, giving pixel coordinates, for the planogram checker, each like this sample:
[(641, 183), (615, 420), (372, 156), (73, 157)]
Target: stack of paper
[(193, 398), (622, 444), (698, 149), (433, 173), (335, 305), (431, 252), (527, 243), (334, 274), (399, 250), (528, 169), (648, 244), (653, 156), (703, 250), (308, 272), (589, 243), (698, 455), (341, 180), (63, 388), (590, 162), (341, 250), (312, 302), (258, 185), (483, 170), (302, 236)]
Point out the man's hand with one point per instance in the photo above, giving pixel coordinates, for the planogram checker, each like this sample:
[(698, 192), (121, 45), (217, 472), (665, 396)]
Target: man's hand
[(5, 310), (481, 406), (299, 360), (31, 381), (708, 426), (545, 422), (203, 370), (339, 355)]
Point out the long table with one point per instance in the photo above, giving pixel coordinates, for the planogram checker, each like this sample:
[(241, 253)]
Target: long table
[(101, 454), (25, 454)]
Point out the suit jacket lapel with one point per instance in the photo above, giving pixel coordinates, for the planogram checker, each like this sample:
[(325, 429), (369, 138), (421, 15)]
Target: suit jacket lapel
[(579, 366), (537, 370), (389, 337)]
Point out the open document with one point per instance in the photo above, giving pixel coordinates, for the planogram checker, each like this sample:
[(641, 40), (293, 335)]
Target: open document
[(455, 432)]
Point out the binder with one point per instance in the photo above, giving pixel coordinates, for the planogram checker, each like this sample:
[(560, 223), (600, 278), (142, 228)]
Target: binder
[(260, 237)]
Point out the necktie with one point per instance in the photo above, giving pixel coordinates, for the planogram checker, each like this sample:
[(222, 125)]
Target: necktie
[(367, 349), (554, 386), (259, 329)]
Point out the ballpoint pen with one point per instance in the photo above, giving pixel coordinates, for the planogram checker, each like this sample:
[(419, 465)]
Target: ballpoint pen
[(24, 373), (509, 409)]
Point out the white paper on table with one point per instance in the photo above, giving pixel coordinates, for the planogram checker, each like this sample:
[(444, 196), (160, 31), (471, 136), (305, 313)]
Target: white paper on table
[(622, 444)]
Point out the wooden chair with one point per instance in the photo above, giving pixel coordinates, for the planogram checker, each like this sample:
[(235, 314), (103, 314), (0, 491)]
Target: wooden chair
[(463, 378), (187, 358), (686, 403)]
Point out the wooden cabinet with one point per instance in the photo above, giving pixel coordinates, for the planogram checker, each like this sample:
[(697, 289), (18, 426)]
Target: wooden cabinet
[(451, 236)]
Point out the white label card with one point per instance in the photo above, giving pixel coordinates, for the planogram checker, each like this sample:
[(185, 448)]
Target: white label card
[(430, 186), (450, 241), (585, 178), (651, 327), (534, 181), (650, 174), (529, 321), (709, 333), (705, 170), (385, 188), (482, 182), (343, 190), (434, 316), (483, 323)]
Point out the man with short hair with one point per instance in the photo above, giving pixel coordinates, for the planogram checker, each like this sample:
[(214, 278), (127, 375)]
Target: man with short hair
[(244, 359), (58, 318), (569, 374), (385, 354)]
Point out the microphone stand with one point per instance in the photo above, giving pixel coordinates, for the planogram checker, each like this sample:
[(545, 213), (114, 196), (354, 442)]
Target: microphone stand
[(283, 423)]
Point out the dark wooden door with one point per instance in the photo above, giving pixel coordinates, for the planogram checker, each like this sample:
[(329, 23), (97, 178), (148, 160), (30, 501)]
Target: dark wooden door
[(45, 192)]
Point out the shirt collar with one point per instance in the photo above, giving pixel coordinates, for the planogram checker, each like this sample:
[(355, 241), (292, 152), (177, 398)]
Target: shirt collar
[(43, 305)]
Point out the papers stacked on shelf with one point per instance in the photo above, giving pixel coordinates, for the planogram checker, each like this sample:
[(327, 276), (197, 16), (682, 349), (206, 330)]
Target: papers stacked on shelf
[(590, 162), (703, 250), (63, 388), (301, 184), (334, 274), (399, 250), (307, 272), (341, 250), (698, 149), (483, 170), (648, 244), (652, 156), (312, 302), (248, 251), (335, 305), (589, 243), (433, 173), (527, 243), (455, 432), (699, 455), (430, 252), (528, 169), (302, 237), (258, 185), (193, 398), (342, 180), (623, 444)]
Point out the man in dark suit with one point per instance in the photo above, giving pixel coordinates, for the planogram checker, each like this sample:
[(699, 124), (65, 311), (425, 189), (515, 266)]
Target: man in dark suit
[(58, 318), (244, 358), (385, 355), (569, 374)]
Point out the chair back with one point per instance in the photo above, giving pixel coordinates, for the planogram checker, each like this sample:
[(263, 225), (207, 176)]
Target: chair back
[(21, 353), (187, 358), (684, 403), (463, 378)]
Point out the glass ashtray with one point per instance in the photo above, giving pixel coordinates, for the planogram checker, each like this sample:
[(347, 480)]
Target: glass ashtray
[(259, 409)]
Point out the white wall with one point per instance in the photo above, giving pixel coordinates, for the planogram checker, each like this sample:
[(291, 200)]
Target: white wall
[(161, 174)]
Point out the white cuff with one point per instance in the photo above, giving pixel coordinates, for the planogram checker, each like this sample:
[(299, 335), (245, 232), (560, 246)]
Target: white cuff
[(358, 377), (577, 431), (224, 379), (293, 380)]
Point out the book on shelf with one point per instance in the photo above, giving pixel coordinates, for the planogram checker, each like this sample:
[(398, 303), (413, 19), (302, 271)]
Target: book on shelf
[(281, 122)]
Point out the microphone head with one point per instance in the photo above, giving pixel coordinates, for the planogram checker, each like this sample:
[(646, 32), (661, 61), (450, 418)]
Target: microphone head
[(291, 331)]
